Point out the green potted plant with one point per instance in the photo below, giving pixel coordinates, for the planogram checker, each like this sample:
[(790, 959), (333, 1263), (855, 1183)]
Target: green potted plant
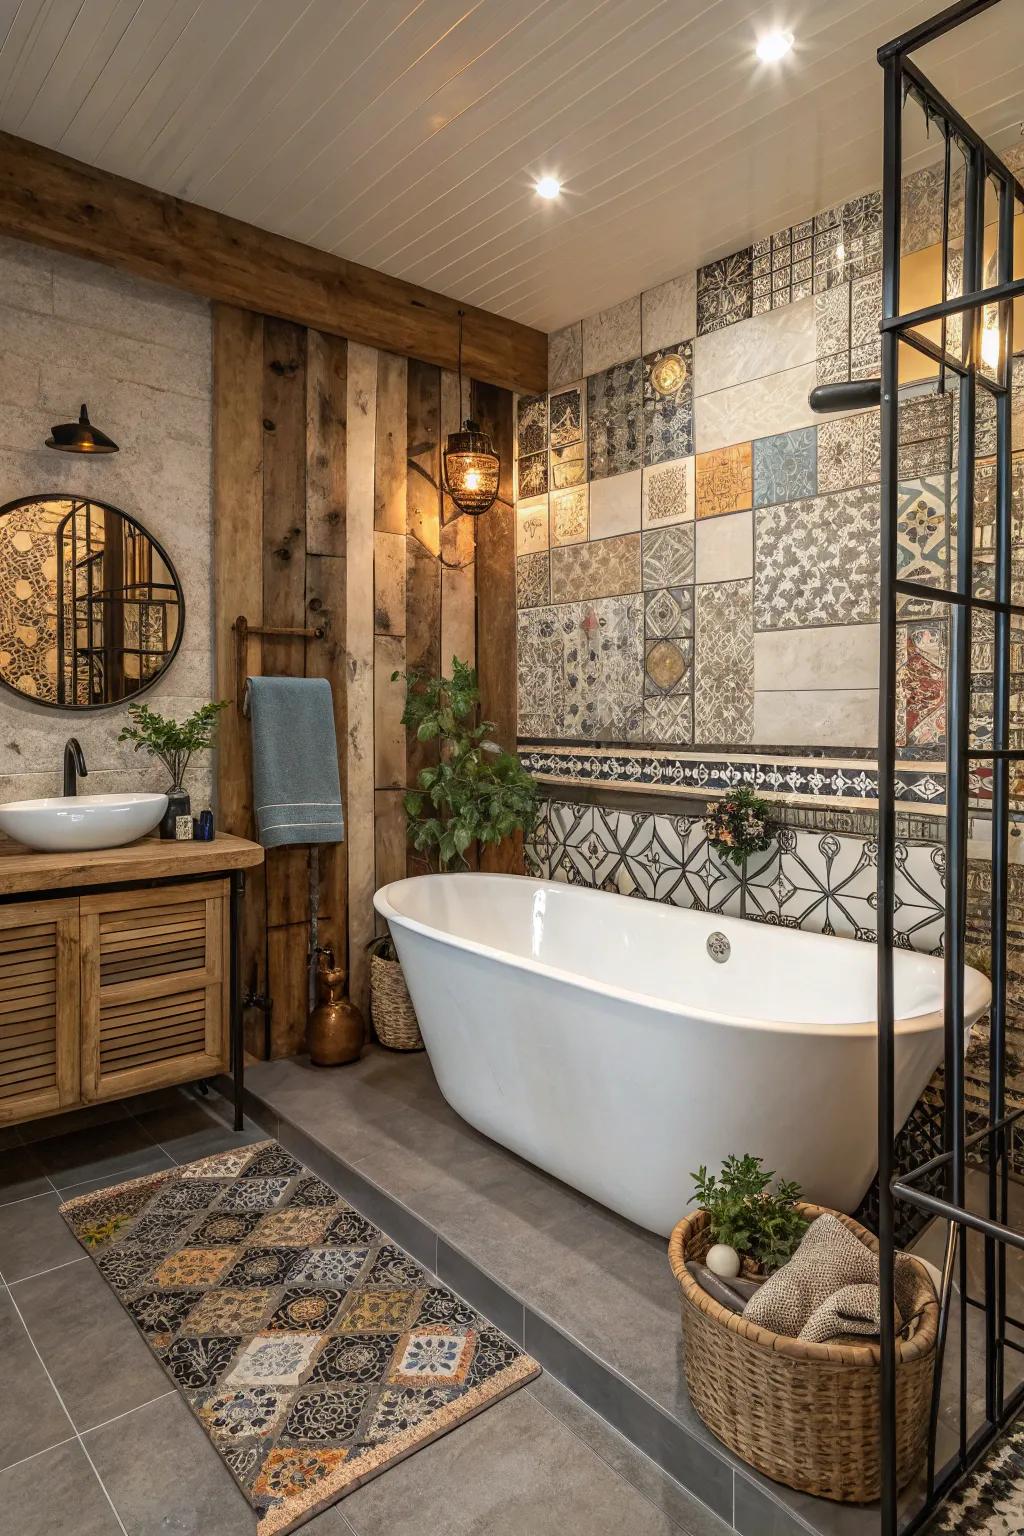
[(762, 1225), (173, 743)]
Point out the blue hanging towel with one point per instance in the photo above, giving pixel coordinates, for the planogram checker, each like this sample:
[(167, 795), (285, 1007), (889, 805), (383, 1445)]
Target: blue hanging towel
[(295, 779)]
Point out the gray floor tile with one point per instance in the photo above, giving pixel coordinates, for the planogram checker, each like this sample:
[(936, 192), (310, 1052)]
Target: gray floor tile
[(90, 1116), (33, 1237), (187, 1129), (480, 1290), (31, 1417), (163, 1475), (511, 1471), (119, 1149), (100, 1363), (21, 1174), (624, 1459), (57, 1491)]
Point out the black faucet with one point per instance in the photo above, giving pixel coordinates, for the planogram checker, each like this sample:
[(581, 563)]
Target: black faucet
[(74, 765)]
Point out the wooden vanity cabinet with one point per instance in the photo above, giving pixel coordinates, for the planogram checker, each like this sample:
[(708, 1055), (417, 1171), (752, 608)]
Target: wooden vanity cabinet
[(117, 988)]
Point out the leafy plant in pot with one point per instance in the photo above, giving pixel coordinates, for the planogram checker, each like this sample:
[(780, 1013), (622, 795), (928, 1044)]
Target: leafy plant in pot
[(173, 743), (762, 1225)]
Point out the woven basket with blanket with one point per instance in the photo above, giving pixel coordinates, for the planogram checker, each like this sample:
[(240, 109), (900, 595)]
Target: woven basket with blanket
[(803, 1412)]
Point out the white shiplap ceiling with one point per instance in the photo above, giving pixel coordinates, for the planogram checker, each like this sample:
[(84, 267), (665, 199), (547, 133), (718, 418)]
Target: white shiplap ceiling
[(407, 134)]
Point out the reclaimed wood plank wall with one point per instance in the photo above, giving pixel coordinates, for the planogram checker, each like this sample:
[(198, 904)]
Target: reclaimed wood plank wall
[(330, 513)]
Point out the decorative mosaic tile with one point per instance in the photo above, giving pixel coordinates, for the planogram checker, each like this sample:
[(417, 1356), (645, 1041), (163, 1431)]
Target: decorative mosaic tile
[(568, 466), (921, 217), (723, 701), (532, 424), (601, 568), (669, 719), (533, 475), (668, 493), (866, 360), (580, 670), (565, 414), (862, 234), (829, 265), (817, 562), (923, 530), (724, 480), (921, 685), (531, 525), (668, 613), (570, 515), (615, 419), (985, 487), (833, 370), (668, 667), (840, 453), (533, 580), (785, 467), (865, 310), (299, 1414), (668, 403), (832, 321), (725, 292), (668, 556)]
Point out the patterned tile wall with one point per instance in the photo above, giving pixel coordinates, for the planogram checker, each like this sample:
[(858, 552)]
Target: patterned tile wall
[(657, 585)]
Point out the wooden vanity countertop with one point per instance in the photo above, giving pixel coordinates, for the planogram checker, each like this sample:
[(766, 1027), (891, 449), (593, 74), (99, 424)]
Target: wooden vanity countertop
[(151, 858)]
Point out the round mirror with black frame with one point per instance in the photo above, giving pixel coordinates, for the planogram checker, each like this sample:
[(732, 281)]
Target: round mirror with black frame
[(91, 608)]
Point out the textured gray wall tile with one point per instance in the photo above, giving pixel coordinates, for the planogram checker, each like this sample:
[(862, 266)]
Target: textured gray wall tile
[(669, 312), (725, 547), (723, 702), (842, 717), (760, 408), (615, 505), (611, 337), (837, 656), (565, 355), (752, 349)]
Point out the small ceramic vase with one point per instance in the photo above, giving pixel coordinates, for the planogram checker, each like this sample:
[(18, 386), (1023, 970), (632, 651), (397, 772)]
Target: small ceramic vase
[(176, 825), (336, 1027)]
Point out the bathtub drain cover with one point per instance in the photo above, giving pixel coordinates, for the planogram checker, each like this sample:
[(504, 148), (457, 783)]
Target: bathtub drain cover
[(719, 948)]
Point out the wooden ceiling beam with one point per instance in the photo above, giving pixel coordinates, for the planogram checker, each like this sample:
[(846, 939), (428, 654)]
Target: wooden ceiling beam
[(55, 201)]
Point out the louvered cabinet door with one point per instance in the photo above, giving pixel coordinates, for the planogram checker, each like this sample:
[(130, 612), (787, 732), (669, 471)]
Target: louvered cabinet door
[(38, 1009), (154, 987)]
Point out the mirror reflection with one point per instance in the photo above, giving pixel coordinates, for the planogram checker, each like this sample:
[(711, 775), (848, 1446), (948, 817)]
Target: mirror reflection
[(91, 609)]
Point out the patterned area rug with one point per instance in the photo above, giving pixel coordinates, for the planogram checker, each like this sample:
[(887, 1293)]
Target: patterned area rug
[(314, 1352), (991, 1502)]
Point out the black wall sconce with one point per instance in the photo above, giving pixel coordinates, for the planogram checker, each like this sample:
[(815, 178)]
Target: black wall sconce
[(80, 437)]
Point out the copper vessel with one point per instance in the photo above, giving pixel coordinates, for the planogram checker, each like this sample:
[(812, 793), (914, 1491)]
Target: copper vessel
[(336, 1027)]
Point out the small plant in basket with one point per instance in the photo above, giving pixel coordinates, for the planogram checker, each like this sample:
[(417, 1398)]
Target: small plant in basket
[(761, 1224), (738, 825)]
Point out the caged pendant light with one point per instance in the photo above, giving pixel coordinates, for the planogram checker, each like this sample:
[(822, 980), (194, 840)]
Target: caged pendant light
[(471, 465)]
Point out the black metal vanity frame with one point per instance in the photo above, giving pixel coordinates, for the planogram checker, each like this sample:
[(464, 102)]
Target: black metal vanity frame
[(903, 82), (236, 892)]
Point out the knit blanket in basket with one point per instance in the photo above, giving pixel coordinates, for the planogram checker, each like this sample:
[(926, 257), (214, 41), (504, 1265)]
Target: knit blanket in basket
[(829, 1288)]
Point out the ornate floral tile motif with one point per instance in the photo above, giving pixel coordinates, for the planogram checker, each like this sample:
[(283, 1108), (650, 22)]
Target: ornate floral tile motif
[(921, 647), (533, 475), (840, 453), (668, 493), (668, 613), (785, 467), (725, 292), (829, 267), (566, 416), (724, 480), (532, 425), (533, 580), (783, 267), (669, 720), (312, 1351), (921, 217), (723, 699), (568, 466), (615, 401), (862, 234), (581, 669), (923, 539), (668, 556), (532, 525), (817, 562), (668, 403), (570, 515), (601, 568)]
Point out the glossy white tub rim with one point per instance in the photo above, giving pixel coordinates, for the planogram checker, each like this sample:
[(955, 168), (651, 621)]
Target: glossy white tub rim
[(389, 903)]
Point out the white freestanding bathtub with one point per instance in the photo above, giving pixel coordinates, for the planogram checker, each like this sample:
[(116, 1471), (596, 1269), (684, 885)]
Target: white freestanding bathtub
[(595, 1035)]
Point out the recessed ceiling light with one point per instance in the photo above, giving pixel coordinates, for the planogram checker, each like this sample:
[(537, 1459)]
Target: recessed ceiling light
[(548, 187), (774, 46)]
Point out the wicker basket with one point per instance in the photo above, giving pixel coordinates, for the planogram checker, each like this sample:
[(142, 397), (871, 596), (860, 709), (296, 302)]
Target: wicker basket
[(394, 1017), (806, 1415)]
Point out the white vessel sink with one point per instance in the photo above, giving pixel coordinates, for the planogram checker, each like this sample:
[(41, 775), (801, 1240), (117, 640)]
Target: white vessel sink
[(69, 823)]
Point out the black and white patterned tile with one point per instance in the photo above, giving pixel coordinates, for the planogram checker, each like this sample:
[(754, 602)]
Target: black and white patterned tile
[(580, 670), (532, 424), (532, 475), (668, 559), (566, 416), (723, 702), (533, 580), (615, 419), (725, 292), (668, 403), (817, 562)]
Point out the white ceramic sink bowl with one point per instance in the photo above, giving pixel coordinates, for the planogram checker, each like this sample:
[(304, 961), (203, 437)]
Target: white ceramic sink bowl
[(75, 823)]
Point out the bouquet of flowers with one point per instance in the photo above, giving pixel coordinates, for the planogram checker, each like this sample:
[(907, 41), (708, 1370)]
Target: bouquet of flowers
[(737, 825)]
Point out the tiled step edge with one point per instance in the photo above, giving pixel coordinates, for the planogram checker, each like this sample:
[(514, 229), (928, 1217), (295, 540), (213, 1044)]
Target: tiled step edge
[(746, 1505)]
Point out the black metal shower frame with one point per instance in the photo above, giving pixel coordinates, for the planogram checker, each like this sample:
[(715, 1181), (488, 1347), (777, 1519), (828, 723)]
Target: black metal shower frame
[(904, 79)]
